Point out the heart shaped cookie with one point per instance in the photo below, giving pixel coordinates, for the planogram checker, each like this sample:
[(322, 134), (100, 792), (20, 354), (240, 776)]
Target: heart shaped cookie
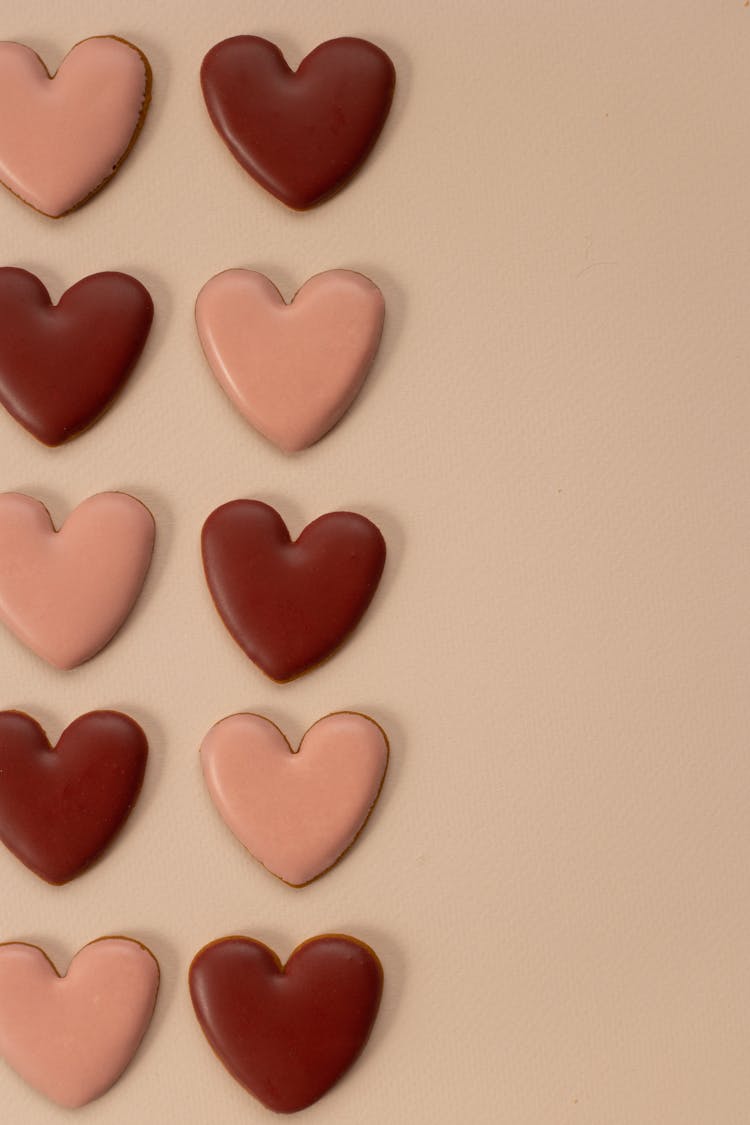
[(61, 365), (288, 604), (300, 134), (71, 1037), (296, 812), (287, 1033), (61, 806), (63, 136), (291, 370), (66, 593)]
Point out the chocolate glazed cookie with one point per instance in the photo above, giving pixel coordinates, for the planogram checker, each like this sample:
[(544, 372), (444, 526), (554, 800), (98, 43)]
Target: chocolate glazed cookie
[(301, 134), (61, 806), (287, 1033), (288, 604), (61, 365)]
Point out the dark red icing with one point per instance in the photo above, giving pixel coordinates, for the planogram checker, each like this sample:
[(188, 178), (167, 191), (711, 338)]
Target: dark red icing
[(61, 365), (59, 808), (301, 134), (287, 1034), (290, 604)]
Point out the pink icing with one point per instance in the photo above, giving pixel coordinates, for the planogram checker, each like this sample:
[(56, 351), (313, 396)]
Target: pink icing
[(71, 1037), (291, 370), (295, 812), (65, 594), (61, 138)]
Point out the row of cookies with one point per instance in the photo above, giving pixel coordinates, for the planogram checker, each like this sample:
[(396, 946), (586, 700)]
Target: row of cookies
[(292, 370), (288, 604), (296, 811), (72, 1037), (301, 135)]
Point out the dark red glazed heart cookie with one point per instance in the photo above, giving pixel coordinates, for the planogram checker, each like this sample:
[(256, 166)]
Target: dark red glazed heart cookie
[(301, 134), (287, 1034), (289, 604), (61, 365), (59, 808)]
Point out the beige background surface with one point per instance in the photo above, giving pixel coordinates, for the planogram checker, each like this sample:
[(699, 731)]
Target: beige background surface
[(554, 441)]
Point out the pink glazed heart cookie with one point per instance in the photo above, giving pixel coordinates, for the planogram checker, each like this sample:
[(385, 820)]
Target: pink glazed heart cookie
[(66, 593), (291, 370), (63, 136), (296, 812), (72, 1036)]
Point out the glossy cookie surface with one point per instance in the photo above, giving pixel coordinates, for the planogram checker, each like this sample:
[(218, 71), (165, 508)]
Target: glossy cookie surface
[(301, 134), (61, 365), (292, 370), (63, 136), (290, 604), (61, 806), (72, 1036), (296, 812), (66, 593), (287, 1033)]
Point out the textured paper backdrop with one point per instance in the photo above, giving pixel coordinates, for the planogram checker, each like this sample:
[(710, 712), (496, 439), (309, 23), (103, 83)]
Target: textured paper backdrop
[(554, 440)]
